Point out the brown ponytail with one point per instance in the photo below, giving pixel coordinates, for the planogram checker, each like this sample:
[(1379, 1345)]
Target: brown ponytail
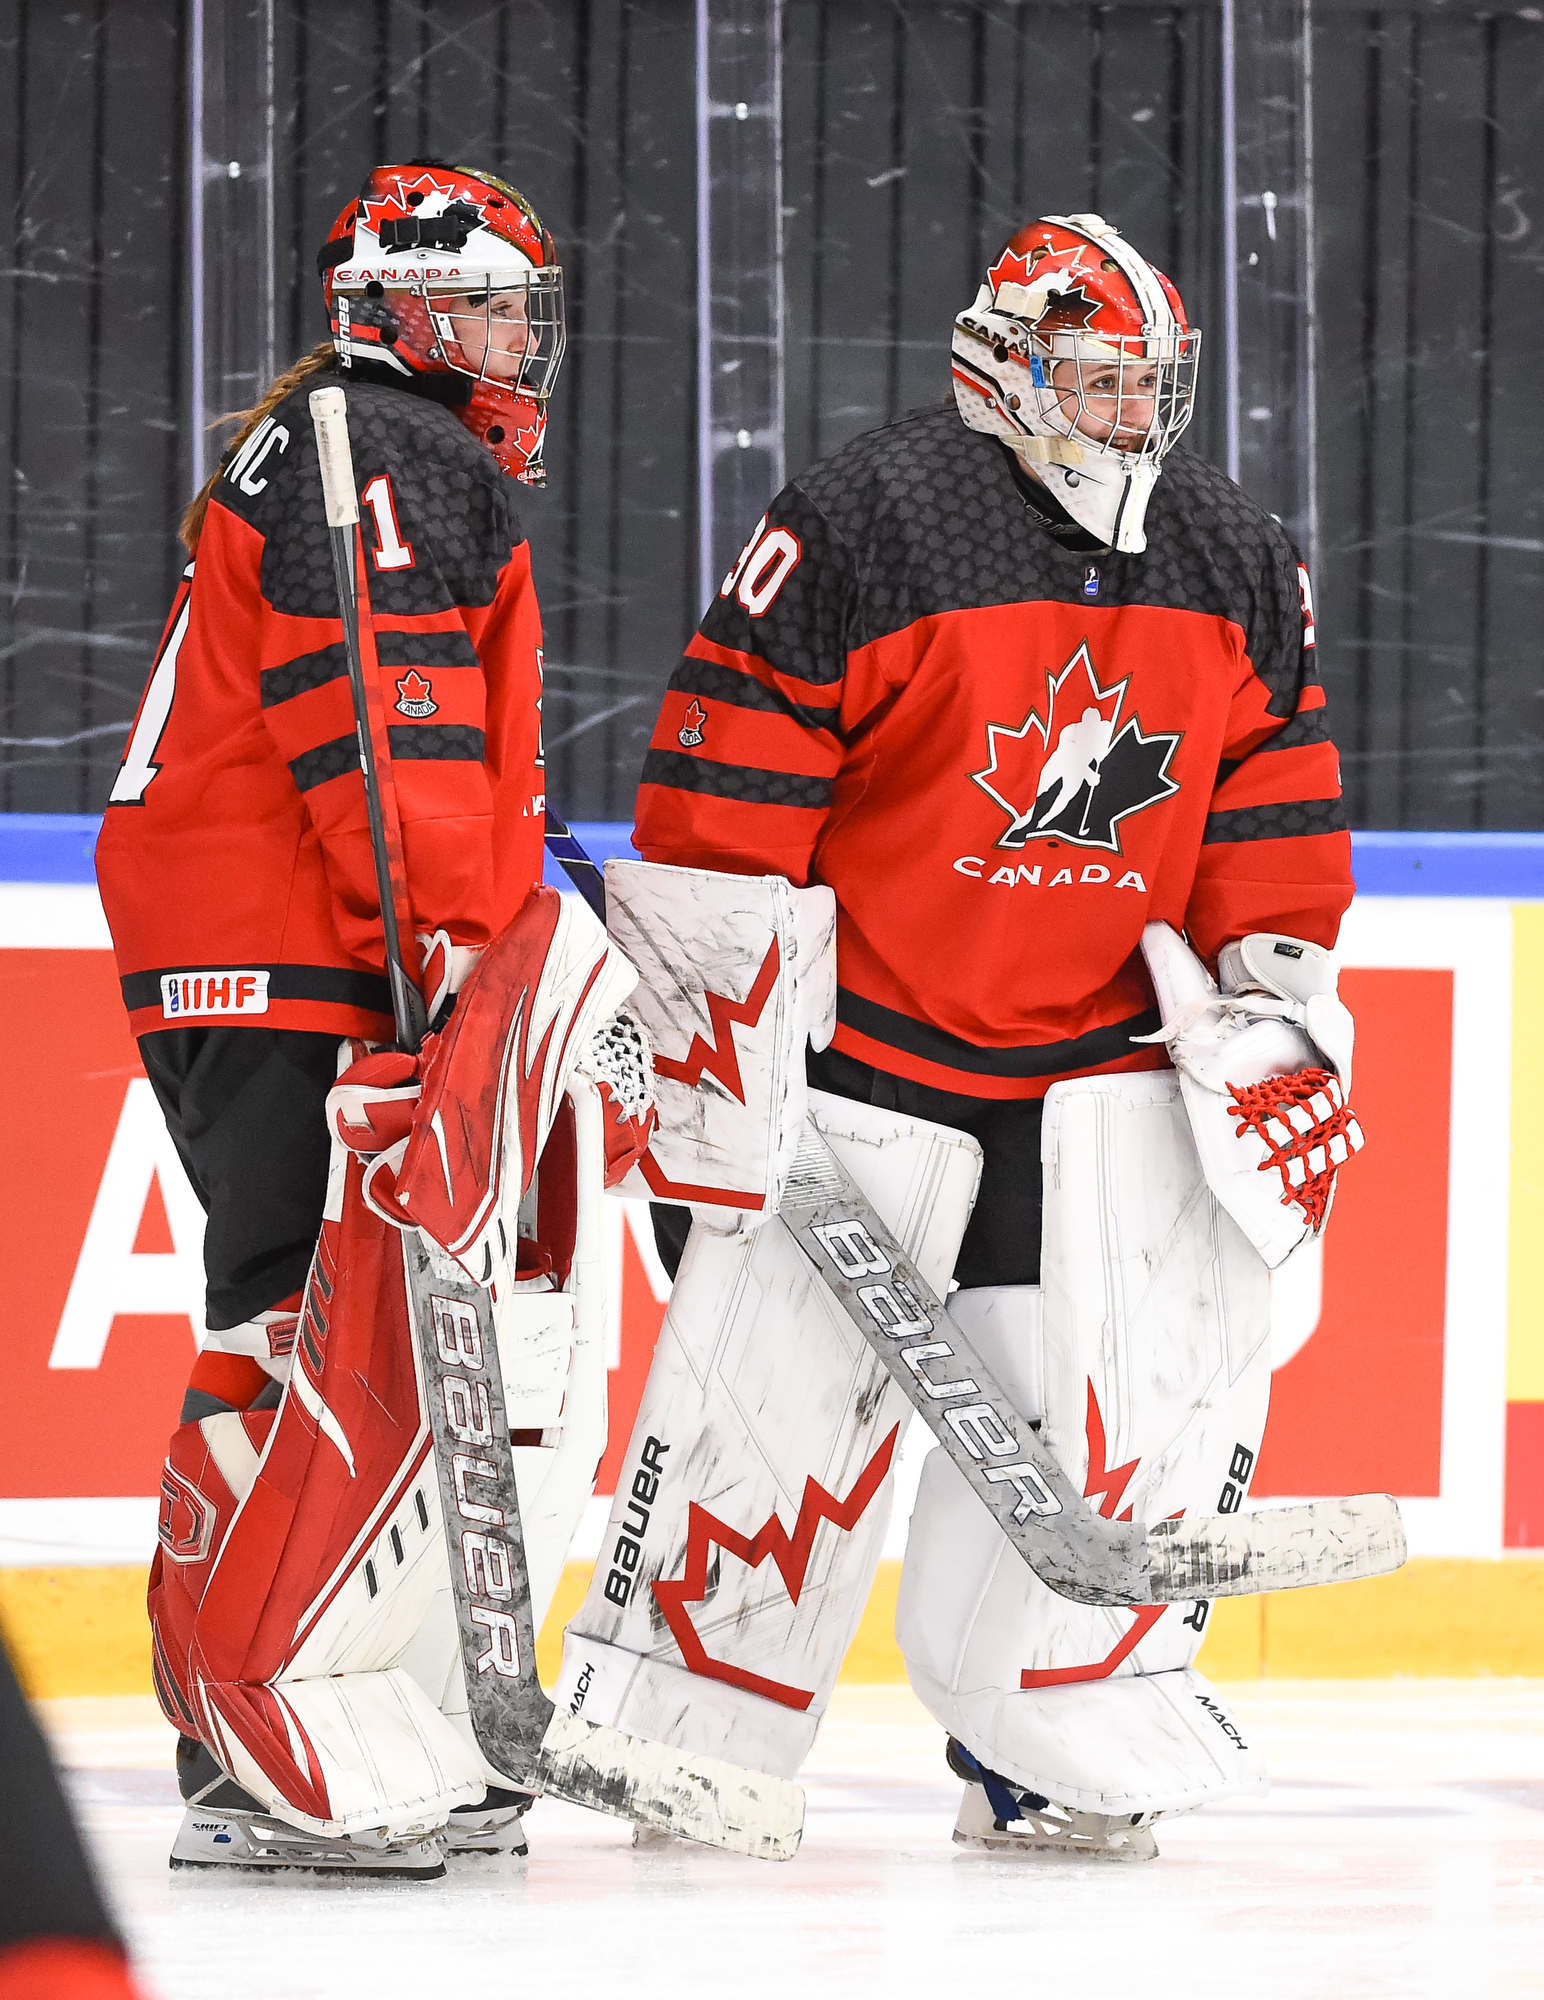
[(320, 358)]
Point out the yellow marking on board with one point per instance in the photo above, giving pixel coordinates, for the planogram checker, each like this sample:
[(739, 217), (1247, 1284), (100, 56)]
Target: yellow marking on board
[(83, 1631)]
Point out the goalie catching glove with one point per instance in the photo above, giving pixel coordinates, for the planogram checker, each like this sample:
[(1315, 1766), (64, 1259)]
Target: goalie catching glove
[(1264, 1061)]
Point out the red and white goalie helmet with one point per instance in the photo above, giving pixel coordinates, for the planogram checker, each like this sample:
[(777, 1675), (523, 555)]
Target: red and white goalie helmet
[(1076, 352), (448, 276)]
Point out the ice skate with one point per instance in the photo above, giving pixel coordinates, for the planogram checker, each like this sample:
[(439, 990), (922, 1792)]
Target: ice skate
[(490, 1827), (1006, 1818), (224, 1827)]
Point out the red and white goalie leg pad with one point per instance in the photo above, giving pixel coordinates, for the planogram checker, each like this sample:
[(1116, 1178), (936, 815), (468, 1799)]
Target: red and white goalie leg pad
[(1146, 1354), (300, 1551), (755, 1491), (304, 1624)]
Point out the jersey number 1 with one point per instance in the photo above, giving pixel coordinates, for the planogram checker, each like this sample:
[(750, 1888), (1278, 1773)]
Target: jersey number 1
[(138, 766), (390, 551)]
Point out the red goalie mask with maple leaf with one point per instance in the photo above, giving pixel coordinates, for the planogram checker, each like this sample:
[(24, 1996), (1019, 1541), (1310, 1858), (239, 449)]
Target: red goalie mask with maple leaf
[(447, 277), (1076, 351)]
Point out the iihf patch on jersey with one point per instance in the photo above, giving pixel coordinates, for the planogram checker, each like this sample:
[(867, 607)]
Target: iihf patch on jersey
[(1076, 772), (415, 695), (219, 992)]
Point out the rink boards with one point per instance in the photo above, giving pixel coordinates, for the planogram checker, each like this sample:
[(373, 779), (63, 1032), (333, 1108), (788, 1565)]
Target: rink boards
[(1410, 1358)]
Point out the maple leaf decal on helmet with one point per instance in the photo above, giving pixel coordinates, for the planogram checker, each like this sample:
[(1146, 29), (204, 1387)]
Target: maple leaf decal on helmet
[(423, 195)]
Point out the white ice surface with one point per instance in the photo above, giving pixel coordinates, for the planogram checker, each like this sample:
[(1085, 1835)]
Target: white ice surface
[(1401, 1853)]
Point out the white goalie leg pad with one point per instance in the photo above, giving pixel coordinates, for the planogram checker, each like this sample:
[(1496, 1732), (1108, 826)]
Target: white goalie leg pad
[(1146, 1356), (756, 1487)]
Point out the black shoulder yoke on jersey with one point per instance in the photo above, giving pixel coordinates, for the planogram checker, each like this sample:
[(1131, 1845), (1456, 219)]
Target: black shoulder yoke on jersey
[(454, 504), (930, 518)]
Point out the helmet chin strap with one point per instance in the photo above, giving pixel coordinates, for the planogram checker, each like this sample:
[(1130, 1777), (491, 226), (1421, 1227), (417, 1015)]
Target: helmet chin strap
[(1105, 492)]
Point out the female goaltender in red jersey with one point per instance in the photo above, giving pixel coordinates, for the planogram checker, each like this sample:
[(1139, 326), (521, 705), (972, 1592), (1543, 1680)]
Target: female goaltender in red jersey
[(234, 861), (1017, 699)]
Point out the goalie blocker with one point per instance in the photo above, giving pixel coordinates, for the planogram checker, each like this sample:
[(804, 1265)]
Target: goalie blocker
[(744, 1537)]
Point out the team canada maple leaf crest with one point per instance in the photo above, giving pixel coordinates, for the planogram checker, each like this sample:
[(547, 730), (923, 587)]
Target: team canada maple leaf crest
[(415, 695), (689, 735), (1077, 771)]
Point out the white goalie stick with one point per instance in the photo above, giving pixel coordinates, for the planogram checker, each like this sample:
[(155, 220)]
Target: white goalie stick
[(1065, 1541), (518, 1729)]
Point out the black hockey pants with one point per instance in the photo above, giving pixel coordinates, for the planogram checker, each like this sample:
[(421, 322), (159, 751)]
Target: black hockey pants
[(1002, 1241), (246, 1110)]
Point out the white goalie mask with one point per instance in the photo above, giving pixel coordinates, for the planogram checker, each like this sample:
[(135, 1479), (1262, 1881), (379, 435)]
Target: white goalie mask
[(1076, 353)]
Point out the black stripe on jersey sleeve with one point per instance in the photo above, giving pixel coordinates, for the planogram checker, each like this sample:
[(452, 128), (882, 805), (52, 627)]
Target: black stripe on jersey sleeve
[(326, 762), (425, 649), (716, 682), (300, 675), (735, 781), (1312, 726), (437, 742), (1295, 820), (421, 742), (920, 1038), (395, 649), (333, 984)]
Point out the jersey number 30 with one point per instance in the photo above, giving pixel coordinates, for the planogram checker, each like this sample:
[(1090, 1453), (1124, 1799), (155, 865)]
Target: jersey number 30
[(762, 567)]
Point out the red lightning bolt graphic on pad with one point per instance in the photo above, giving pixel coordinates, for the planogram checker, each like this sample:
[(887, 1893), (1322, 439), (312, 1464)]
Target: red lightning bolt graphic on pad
[(1110, 1482), (719, 1057), (790, 1552)]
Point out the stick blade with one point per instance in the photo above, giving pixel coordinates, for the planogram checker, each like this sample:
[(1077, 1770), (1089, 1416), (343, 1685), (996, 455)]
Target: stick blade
[(696, 1798), (1275, 1548)]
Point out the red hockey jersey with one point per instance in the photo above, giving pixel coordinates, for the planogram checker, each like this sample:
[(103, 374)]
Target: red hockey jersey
[(234, 858), (1004, 754)]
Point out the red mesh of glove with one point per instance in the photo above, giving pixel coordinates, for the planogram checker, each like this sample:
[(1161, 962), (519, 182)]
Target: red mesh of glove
[(1308, 1130)]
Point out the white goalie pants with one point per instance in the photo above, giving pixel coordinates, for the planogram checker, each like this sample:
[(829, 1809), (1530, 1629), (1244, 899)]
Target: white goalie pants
[(753, 1504)]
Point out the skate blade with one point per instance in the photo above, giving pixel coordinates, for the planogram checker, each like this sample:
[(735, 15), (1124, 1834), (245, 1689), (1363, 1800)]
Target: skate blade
[(215, 1840), (1078, 1836), (492, 1833), (1139, 1846)]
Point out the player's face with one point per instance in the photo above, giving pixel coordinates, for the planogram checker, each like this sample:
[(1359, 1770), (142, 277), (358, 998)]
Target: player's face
[(1108, 402), (493, 330)]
